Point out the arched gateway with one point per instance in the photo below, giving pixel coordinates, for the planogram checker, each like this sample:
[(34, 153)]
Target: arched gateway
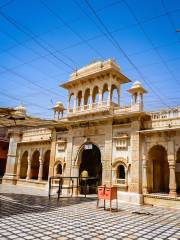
[(158, 170), (89, 160)]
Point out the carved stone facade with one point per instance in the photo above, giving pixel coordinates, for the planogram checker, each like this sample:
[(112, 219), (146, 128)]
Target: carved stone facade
[(136, 151)]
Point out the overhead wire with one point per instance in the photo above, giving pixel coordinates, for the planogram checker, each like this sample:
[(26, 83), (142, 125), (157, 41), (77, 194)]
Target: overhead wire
[(35, 84), (19, 100), (99, 35), (150, 41), (116, 44), (33, 37), (170, 19), (57, 16)]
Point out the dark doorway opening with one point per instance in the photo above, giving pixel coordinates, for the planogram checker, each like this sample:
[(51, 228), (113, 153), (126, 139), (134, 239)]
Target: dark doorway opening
[(2, 166), (91, 163)]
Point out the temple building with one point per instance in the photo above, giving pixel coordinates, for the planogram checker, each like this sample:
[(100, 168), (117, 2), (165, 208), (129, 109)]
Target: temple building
[(124, 146)]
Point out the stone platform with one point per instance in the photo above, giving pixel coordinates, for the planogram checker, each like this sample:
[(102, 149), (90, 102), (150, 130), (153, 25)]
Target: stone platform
[(26, 213)]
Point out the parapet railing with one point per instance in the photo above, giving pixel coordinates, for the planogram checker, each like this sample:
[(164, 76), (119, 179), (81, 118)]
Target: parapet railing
[(81, 184)]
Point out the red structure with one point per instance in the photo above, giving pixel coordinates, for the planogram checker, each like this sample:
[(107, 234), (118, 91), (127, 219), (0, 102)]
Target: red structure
[(107, 193)]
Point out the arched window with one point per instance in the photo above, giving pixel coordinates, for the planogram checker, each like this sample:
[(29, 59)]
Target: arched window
[(121, 175), (121, 172), (59, 169)]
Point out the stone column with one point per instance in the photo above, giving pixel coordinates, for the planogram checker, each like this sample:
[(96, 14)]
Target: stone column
[(144, 166), (172, 180), (109, 96), (100, 97), (90, 104), (68, 106), (11, 165), (53, 153), (144, 177), (82, 101), (172, 164), (40, 174), (119, 97), (18, 166), (126, 175), (135, 185), (107, 156), (75, 103), (29, 168)]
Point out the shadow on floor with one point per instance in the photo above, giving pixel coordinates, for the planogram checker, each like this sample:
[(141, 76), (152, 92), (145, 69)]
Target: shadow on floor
[(14, 204)]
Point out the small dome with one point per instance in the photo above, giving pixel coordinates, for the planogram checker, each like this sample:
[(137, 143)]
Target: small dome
[(20, 109), (58, 104), (137, 87)]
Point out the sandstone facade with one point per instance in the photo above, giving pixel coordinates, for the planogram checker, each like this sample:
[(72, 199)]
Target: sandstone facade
[(137, 151)]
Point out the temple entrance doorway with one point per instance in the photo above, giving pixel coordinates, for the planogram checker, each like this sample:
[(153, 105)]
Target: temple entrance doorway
[(91, 167)]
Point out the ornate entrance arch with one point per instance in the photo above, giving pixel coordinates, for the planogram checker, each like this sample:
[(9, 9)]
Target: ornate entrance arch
[(89, 160)]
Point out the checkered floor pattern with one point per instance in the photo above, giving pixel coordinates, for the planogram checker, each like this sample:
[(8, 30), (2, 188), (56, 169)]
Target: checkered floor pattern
[(25, 217)]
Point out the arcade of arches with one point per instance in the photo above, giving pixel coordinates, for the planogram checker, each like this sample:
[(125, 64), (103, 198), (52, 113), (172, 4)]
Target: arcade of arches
[(34, 166), (93, 96)]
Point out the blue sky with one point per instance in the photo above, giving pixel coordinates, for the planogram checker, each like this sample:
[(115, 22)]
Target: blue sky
[(40, 47)]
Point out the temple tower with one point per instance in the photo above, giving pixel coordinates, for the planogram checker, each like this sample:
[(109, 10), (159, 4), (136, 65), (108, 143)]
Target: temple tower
[(91, 88)]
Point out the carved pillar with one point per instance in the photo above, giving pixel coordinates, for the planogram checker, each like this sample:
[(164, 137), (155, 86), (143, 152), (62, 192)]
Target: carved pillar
[(75, 103), (10, 175), (40, 174), (109, 96), (18, 166), (29, 168), (68, 106), (82, 101), (90, 102), (144, 166), (118, 97), (53, 153), (126, 175), (144, 177), (172, 164), (100, 97), (172, 180)]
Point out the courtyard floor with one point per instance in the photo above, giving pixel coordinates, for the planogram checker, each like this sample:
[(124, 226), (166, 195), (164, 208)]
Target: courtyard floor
[(26, 213)]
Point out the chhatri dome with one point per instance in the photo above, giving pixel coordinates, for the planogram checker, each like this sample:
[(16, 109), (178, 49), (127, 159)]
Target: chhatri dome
[(21, 110)]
